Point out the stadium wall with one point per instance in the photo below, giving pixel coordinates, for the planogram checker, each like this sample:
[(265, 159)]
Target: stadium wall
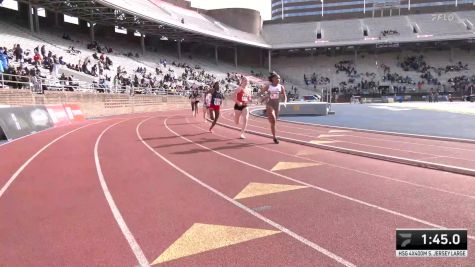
[(93, 104), (243, 19)]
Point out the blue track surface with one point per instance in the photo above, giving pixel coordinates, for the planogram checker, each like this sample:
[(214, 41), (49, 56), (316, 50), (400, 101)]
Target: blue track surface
[(402, 120)]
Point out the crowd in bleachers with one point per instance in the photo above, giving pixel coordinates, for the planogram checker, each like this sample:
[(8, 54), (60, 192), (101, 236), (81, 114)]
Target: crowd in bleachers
[(387, 33), (316, 79), (347, 67), (394, 77), (457, 67), (463, 84), (411, 74), (41, 64), (414, 63)]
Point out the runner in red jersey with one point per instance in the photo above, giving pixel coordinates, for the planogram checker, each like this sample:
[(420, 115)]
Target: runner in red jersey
[(242, 99)]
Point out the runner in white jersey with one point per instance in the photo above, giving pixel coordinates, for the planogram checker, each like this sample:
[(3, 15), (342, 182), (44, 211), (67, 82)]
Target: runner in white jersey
[(275, 91), (206, 101)]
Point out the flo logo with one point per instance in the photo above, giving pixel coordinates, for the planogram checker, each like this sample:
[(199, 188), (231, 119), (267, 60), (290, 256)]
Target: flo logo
[(443, 17), (406, 239), (39, 117)]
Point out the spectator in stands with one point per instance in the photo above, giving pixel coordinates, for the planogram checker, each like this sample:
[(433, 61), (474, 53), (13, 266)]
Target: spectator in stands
[(36, 81), (56, 67), (61, 61), (37, 58), (66, 37), (18, 51), (43, 50), (3, 59)]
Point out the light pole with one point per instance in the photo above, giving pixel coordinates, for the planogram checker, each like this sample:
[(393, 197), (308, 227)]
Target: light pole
[(364, 6), (409, 5), (282, 2), (322, 7)]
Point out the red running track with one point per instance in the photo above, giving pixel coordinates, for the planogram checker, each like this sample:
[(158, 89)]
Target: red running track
[(451, 153), (122, 191)]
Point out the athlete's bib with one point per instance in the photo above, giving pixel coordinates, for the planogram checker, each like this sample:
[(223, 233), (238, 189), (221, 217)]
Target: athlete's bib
[(274, 96), (217, 102)]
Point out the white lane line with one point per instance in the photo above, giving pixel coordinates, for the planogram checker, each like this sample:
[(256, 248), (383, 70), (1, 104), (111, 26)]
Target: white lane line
[(387, 135), (431, 137), (22, 167), (374, 155), (139, 255), (362, 144), (243, 207), (353, 143), (316, 187), (353, 170)]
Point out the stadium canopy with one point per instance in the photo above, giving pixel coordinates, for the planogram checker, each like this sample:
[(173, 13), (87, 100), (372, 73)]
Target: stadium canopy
[(162, 19), (156, 18)]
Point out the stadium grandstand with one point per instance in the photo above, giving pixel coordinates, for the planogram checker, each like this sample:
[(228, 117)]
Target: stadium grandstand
[(377, 47)]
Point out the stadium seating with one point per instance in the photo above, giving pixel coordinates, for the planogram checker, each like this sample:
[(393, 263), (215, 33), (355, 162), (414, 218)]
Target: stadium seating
[(284, 34), (293, 68), (376, 26), (345, 30), (51, 37)]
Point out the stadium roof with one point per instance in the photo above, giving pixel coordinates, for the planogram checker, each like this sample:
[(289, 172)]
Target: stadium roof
[(160, 18), (154, 17)]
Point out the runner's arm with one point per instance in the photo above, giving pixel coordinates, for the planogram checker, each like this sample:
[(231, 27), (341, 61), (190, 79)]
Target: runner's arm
[(284, 93), (264, 89)]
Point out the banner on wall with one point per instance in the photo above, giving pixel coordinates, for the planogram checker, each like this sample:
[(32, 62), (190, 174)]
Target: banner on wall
[(58, 115), (74, 112), (20, 121)]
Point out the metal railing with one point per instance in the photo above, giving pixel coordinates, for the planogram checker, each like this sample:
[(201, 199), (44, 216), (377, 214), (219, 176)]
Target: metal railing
[(38, 85)]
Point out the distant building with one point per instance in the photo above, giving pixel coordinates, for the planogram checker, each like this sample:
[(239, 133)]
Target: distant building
[(311, 10), (180, 3)]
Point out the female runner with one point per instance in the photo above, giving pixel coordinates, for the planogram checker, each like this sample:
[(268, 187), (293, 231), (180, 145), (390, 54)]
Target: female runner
[(206, 101), (215, 105), (194, 98), (274, 92), (243, 97)]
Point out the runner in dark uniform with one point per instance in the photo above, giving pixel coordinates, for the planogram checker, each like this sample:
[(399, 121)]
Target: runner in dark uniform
[(215, 105)]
